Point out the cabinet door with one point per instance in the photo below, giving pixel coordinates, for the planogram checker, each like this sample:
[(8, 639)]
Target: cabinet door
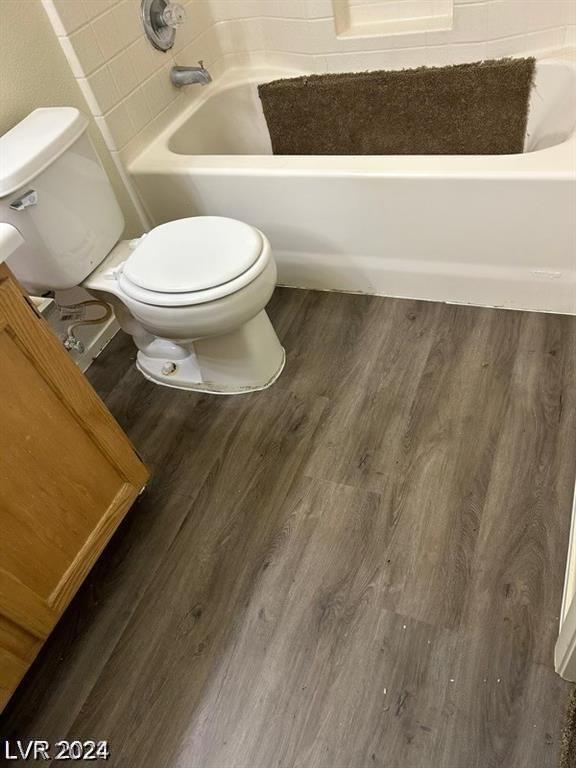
[(68, 474)]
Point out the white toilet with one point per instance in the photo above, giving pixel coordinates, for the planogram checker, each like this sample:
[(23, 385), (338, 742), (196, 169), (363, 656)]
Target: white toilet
[(191, 292)]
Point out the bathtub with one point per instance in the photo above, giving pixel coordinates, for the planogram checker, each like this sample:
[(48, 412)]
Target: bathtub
[(486, 230)]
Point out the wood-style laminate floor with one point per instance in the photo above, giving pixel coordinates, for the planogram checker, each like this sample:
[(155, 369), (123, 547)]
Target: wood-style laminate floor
[(360, 567)]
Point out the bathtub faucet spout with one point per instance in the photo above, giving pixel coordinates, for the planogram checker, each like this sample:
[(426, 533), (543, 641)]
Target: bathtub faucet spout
[(180, 76)]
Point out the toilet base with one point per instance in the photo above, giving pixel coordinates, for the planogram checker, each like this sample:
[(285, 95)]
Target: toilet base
[(183, 378), (248, 359)]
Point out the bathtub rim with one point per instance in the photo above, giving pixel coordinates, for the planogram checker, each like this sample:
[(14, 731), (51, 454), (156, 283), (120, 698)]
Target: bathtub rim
[(555, 162)]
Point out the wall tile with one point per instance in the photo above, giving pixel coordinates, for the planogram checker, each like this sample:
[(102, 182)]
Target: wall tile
[(224, 10), (319, 9), (159, 90), (105, 94), (285, 36), (139, 109), (119, 125), (459, 53), (470, 25), (251, 59), (124, 73), (363, 12), (86, 50), (207, 48), (296, 9), (96, 7), (506, 19), (362, 61), (117, 28), (545, 14), (145, 59), (108, 33), (408, 58), (129, 17), (66, 15), (240, 34), (199, 18), (300, 62), (404, 58), (546, 39), (506, 46)]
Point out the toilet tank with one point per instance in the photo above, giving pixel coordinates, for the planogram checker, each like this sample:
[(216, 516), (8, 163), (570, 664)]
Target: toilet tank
[(54, 190)]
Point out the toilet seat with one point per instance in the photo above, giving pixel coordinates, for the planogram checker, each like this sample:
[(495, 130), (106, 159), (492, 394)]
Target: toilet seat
[(193, 261)]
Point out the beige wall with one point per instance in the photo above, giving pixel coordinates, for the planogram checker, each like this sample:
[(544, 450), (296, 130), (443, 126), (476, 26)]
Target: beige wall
[(34, 73)]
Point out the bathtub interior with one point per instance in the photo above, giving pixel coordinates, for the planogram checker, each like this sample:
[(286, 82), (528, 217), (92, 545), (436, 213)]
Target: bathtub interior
[(230, 120)]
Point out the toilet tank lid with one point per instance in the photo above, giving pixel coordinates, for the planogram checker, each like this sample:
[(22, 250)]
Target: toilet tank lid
[(35, 142)]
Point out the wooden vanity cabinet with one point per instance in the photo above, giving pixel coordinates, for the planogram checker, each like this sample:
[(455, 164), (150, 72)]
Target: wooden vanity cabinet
[(68, 474)]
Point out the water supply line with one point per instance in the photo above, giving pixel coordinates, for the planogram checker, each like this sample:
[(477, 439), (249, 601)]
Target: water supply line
[(75, 311)]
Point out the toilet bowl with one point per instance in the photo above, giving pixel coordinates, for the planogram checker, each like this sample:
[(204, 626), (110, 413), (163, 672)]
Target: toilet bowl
[(192, 293)]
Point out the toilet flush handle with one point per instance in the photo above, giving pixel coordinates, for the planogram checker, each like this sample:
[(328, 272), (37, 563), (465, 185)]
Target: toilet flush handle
[(25, 201)]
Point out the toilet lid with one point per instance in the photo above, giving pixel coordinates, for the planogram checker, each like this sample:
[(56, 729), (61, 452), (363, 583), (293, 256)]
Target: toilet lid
[(193, 254)]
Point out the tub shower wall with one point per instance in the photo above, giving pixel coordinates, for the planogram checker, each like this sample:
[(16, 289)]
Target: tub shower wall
[(125, 80), (487, 230)]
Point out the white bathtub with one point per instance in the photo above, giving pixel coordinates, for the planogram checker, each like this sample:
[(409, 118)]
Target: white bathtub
[(486, 230)]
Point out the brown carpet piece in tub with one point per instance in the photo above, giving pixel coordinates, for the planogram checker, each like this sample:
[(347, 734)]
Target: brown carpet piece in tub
[(465, 109)]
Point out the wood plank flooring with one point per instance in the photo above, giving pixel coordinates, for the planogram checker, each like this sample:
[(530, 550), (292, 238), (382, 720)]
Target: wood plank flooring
[(361, 566)]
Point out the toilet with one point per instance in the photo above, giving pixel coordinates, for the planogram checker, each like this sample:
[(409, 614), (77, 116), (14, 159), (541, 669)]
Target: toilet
[(190, 292)]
